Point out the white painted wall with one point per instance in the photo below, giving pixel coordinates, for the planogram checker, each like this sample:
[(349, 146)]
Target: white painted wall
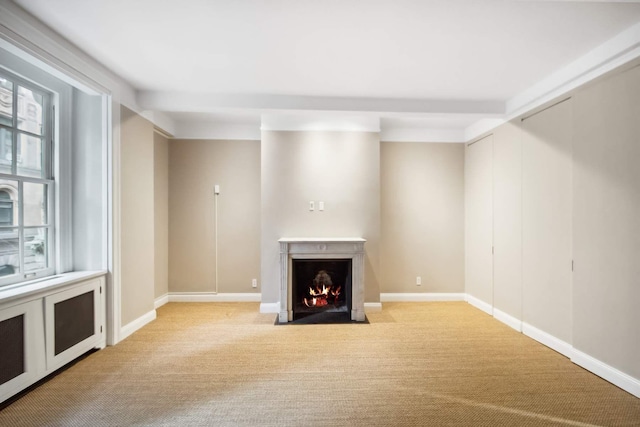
[(507, 219), (478, 180), (89, 212), (546, 220), (606, 222), (340, 168)]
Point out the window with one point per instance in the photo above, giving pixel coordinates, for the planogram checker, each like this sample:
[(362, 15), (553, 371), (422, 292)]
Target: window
[(26, 181)]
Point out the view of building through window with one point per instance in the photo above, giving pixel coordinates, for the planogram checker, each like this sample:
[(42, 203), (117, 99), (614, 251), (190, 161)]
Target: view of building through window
[(25, 181)]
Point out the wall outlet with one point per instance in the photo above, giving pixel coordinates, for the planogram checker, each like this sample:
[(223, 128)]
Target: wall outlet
[(320, 206), (312, 205), (254, 283), (418, 280), (216, 189)]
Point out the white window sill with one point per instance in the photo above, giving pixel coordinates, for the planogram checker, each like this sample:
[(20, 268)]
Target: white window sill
[(45, 284)]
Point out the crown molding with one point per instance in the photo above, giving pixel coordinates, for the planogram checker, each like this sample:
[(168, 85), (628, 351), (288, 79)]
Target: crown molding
[(609, 56)]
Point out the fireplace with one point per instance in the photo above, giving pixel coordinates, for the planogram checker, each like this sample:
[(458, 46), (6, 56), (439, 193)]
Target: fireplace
[(321, 286), (320, 275)]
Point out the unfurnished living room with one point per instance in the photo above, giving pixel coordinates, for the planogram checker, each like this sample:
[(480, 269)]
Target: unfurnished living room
[(319, 213)]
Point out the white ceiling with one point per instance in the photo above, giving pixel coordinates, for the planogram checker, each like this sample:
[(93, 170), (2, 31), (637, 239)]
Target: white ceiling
[(441, 64)]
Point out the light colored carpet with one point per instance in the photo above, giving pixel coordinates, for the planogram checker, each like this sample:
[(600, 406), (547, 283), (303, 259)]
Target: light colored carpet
[(224, 364)]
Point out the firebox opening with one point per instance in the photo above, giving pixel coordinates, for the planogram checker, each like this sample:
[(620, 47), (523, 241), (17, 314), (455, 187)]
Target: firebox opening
[(321, 286)]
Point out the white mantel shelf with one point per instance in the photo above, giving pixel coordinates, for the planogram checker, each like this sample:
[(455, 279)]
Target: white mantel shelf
[(322, 239), (322, 248)]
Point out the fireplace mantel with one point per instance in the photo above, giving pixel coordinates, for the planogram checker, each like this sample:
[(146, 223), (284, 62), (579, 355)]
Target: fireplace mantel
[(322, 248)]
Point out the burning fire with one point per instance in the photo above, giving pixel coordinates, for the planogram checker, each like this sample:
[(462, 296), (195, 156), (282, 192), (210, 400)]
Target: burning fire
[(321, 290)]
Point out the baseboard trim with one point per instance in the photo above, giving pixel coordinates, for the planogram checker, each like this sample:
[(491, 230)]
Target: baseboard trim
[(421, 297), (591, 364), (133, 326), (372, 307), (507, 319), (213, 297), (161, 300), (270, 307), (609, 373), (547, 339), (479, 304)]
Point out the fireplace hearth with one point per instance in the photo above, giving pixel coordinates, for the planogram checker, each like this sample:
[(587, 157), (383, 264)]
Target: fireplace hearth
[(321, 278), (320, 286)]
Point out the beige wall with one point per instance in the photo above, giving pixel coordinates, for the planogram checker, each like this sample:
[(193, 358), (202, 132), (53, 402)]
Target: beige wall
[(606, 222), (137, 216), (340, 168), (422, 217), (161, 211), (195, 167)]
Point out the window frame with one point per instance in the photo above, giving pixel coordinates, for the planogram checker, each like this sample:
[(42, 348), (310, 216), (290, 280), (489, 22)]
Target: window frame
[(47, 167)]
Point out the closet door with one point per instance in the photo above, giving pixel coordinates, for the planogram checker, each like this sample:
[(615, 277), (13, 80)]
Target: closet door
[(479, 223), (546, 225), (507, 224)]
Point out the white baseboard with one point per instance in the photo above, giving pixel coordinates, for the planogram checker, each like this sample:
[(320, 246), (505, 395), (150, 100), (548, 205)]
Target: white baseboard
[(133, 326), (507, 319), (372, 307), (479, 304), (614, 376), (421, 297), (547, 339), (161, 300), (213, 297), (270, 307)]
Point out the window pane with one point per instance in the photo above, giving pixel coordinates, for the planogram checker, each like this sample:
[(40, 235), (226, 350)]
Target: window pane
[(35, 249), (30, 110), (35, 204), (29, 156), (6, 150), (6, 102), (8, 204), (9, 252)]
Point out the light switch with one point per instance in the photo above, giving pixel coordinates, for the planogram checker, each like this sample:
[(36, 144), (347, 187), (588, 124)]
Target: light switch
[(312, 205), (320, 206)]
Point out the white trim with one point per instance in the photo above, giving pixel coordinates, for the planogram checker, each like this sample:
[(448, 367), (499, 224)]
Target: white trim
[(294, 104), (133, 326), (479, 304), (609, 373), (547, 339), (270, 307), (114, 258), (617, 51), (421, 297), (216, 130), (611, 54), (320, 121), (161, 300), (213, 297), (372, 307), (160, 120), (406, 134), (507, 319)]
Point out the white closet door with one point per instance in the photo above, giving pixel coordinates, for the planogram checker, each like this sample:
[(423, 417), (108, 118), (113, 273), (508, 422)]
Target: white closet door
[(479, 223), (546, 222), (507, 223)]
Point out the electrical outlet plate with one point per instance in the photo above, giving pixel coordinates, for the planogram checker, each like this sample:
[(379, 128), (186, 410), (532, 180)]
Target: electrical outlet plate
[(312, 205), (254, 283), (418, 280)]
